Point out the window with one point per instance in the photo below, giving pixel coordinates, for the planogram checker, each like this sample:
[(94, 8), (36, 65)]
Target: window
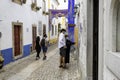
[(55, 29), (118, 30), (40, 28), (19, 1), (52, 30), (44, 6), (52, 6), (64, 0), (59, 27), (34, 1), (44, 29)]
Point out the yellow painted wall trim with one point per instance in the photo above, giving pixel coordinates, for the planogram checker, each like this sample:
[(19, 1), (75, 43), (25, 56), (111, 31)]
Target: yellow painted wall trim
[(76, 35), (48, 4), (53, 41)]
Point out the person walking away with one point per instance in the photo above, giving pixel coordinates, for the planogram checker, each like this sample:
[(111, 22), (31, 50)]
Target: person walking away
[(44, 45), (62, 48), (38, 47), (68, 45)]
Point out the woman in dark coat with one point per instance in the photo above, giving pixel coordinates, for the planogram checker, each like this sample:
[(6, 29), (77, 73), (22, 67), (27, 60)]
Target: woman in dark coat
[(68, 45), (38, 47)]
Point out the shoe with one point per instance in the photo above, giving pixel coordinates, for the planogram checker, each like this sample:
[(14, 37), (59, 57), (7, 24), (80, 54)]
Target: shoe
[(64, 67), (37, 58), (44, 58), (60, 66)]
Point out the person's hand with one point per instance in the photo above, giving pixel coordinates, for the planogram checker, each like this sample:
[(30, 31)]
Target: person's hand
[(65, 46)]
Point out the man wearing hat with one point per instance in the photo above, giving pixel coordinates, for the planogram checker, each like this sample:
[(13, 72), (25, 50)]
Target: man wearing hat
[(62, 47)]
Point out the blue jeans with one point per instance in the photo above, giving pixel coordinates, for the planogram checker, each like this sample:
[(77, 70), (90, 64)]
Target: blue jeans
[(44, 48)]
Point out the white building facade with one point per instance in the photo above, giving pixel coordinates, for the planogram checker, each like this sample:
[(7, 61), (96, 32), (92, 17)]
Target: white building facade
[(99, 38), (20, 22)]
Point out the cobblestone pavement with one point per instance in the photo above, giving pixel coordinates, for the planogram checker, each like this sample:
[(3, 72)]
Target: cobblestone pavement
[(17, 66), (49, 70), (29, 69)]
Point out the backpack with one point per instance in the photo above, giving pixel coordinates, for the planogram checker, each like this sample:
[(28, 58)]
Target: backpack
[(43, 42)]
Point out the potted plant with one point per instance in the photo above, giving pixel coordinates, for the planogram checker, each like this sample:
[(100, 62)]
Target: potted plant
[(43, 12), (33, 5), (47, 13)]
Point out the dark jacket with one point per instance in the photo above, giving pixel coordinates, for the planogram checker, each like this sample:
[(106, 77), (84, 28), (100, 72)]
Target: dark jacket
[(38, 47), (68, 45)]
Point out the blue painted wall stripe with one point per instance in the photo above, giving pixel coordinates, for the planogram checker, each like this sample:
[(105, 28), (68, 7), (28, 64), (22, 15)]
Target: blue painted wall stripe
[(71, 19), (8, 54)]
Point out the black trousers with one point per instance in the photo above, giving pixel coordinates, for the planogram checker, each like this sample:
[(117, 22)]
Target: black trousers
[(38, 54)]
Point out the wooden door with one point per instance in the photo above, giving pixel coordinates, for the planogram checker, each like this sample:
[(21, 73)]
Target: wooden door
[(17, 34), (34, 35)]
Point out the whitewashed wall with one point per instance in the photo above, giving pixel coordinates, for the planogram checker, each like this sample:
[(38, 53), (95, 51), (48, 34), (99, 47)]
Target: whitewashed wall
[(109, 59), (12, 12), (83, 38)]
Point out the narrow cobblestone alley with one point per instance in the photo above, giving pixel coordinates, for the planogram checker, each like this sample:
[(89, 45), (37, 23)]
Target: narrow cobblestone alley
[(30, 69), (49, 70)]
